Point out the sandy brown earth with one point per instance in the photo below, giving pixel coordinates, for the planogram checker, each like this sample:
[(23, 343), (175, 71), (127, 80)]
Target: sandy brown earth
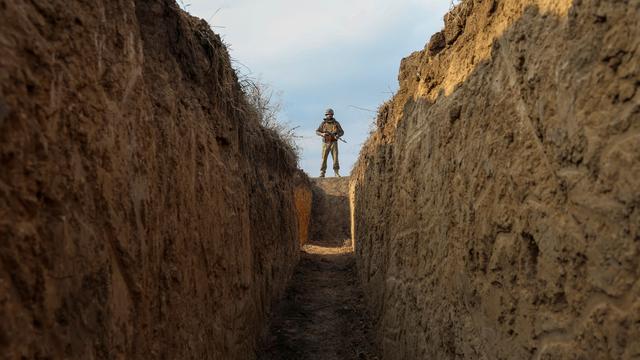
[(323, 315), (144, 212), (330, 218), (303, 202), (497, 205)]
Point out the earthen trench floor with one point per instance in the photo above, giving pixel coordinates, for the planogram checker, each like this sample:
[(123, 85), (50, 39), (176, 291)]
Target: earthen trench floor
[(322, 315)]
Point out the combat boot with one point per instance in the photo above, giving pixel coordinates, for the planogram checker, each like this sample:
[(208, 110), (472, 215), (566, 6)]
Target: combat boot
[(322, 174), (337, 173)]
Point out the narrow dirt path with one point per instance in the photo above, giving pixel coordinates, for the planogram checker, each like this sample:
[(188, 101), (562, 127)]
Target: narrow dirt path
[(322, 315)]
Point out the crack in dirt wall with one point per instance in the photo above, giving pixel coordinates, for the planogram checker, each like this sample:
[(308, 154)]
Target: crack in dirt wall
[(144, 212), (496, 206)]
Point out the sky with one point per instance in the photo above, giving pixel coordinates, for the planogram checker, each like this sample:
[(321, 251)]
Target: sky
[(315, 55)]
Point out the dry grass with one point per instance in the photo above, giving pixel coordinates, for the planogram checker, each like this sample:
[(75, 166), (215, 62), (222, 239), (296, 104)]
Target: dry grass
[(267, 105)]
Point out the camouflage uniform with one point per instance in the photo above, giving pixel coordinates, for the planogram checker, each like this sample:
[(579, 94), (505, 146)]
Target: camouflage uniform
[(330, 144)]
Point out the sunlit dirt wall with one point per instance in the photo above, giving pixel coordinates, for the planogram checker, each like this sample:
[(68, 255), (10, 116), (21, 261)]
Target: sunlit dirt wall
[(496, 207)]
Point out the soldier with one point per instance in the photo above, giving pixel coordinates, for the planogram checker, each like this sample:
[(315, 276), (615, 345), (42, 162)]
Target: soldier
[(331, 131)]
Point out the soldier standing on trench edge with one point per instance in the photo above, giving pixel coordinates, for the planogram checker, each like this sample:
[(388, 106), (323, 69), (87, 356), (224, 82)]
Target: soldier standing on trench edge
[(331, 131)]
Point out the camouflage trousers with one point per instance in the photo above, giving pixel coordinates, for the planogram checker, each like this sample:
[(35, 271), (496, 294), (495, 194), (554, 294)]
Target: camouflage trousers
[(332, 148)]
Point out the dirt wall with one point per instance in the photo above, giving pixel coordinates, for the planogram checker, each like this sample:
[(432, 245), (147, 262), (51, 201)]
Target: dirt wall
[(330, 214), (303, 199), (496, 207), (144, 213)]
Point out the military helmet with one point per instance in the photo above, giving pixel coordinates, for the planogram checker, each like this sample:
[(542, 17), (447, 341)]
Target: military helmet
[(329, 112)]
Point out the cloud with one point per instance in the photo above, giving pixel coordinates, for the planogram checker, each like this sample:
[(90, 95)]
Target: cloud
[(269, 29)]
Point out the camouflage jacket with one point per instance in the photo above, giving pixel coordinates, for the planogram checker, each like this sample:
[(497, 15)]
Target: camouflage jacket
[(332, 127)]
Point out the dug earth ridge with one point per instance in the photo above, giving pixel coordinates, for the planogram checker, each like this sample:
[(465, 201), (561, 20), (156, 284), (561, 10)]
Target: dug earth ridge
[(496, 207)]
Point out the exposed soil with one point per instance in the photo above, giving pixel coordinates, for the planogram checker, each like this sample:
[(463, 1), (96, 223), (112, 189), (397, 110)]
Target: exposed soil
[(322, 315), (330, 210), (496, 205), (140, 199), (146, 214)]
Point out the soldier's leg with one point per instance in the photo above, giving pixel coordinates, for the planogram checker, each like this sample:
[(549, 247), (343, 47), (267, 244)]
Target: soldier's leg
[(325, 155), (334, 156)]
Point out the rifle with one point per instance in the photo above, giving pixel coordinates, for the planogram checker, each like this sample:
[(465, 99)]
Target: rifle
[(335, 136)]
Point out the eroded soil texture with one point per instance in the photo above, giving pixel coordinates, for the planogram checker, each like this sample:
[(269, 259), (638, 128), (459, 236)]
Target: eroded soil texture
[(140, 198), (496, 205)]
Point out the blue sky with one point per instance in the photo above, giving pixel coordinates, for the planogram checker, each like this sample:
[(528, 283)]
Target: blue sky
[(319, 54)]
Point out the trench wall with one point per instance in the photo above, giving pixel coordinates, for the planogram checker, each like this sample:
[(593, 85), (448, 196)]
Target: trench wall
[(303, 196), (144, 212), (496, 206), (330, 214)]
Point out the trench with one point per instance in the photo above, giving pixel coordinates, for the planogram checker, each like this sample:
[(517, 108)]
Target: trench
[(322, 314), (145, 212)]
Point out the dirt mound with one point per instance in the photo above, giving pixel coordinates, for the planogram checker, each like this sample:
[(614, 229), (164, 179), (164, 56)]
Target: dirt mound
[(133, 188), (496, 207)]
